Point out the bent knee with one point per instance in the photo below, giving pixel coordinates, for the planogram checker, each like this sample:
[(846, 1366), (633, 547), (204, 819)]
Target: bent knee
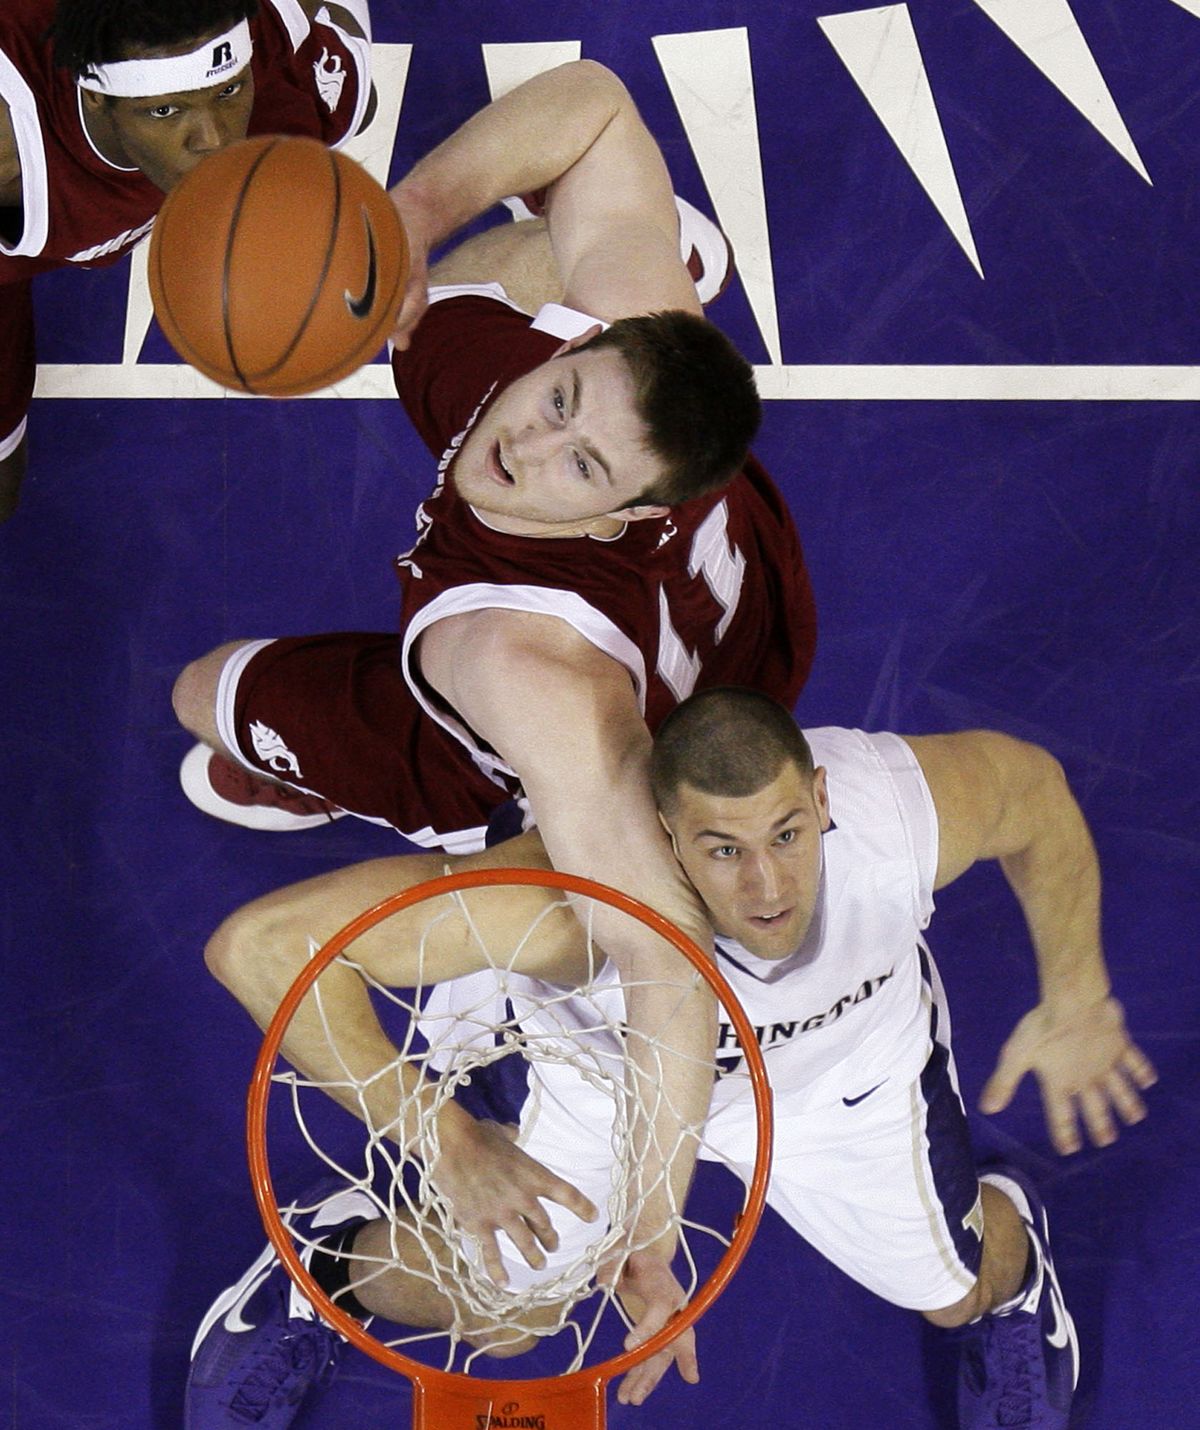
[(223, 951), (969, 1308), (194, 694)]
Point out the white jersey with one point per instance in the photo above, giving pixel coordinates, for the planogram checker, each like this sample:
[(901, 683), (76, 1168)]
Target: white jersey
[(853, 989), (854, 986)]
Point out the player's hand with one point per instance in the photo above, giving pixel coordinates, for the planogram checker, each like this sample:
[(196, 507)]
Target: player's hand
[(1088, 1068), (652, 1295), (416, 289), (493, 1186)]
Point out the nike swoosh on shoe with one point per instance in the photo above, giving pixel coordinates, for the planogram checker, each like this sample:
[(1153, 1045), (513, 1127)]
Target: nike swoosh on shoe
[(230, 1305)]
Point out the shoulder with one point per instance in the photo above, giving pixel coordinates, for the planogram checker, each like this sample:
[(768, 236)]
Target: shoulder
[(881, 801), (353, 16), (300, 17), (869, 764), (503, 664), (520, 644)]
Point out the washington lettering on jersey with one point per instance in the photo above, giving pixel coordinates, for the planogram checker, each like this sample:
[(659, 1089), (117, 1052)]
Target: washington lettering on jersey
[(773, 1035)]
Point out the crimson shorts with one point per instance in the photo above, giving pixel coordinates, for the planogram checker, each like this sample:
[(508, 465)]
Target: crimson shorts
[(18, 363), (332, 715)]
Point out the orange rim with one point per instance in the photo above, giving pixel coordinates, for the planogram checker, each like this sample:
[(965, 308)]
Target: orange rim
[(571, 1383)]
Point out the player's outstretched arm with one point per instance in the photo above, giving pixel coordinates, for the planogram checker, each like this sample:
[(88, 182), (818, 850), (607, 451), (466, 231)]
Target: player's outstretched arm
[(612, 217), (258, 952), (564, 716), (1000, 798)]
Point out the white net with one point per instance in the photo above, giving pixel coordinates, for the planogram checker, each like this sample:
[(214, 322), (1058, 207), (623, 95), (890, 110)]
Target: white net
[(556, 1060)]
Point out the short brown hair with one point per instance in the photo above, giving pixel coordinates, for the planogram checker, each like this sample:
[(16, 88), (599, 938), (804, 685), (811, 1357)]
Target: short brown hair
[(724, 741), (695, 393)]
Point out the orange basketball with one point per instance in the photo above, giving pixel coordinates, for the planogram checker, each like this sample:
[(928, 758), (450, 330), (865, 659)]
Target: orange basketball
[(277, 266)]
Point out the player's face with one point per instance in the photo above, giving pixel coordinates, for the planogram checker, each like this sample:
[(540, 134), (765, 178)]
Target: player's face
[(756, 861), (166, 135), (560, 447)]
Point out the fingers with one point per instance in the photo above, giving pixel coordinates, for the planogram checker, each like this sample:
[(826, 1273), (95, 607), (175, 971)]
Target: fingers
[(412, 309), (493, 1262), (1097, 1117), (1096, 1104), (1138, 1066), (566, 1195), (641, 1380), (1061, 1122), (637, 1384), (531, 1232), (1123, 1096), (999, 1089)]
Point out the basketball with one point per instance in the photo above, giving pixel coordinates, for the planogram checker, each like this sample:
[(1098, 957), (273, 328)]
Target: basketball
[(277, 266)]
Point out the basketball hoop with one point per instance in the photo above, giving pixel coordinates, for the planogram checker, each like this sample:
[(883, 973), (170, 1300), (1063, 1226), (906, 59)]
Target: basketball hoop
[(445, 1398)]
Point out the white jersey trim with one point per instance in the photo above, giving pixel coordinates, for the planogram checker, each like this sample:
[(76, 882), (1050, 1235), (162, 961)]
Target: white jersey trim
[(550, 318), (440, 292), (31, 151), (562, 322), (567, 606), (10, 443), (295, 21), (297, 24)]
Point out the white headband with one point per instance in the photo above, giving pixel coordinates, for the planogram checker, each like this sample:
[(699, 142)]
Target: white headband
[(214, 61)]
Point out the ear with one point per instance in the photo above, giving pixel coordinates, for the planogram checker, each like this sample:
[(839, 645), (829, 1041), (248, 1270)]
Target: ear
[(662, 819), (821, 797), (578, 341), (641, 513), (92, 100)]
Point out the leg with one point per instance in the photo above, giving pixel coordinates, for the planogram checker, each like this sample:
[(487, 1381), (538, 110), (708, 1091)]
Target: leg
[(1019, 1362), (331, 717), (1006, 1256), (194, 698), (884, 1185), (261, 1343)]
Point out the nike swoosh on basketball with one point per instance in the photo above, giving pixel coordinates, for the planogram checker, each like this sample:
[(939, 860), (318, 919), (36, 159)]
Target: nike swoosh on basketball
[(362, 305), (862, 1096)]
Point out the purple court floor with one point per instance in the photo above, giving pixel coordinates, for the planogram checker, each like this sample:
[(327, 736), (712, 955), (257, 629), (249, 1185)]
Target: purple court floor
[(967, 240)]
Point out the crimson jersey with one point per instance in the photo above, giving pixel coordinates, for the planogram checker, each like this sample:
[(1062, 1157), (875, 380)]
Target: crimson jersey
[(310, 79), (713, 593)]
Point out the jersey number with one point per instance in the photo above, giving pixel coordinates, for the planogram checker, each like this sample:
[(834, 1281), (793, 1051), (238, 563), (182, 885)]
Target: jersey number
[(723, 567)]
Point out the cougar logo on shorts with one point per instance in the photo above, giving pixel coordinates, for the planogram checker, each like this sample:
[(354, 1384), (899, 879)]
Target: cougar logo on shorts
[(271, 750), (330, 76)]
